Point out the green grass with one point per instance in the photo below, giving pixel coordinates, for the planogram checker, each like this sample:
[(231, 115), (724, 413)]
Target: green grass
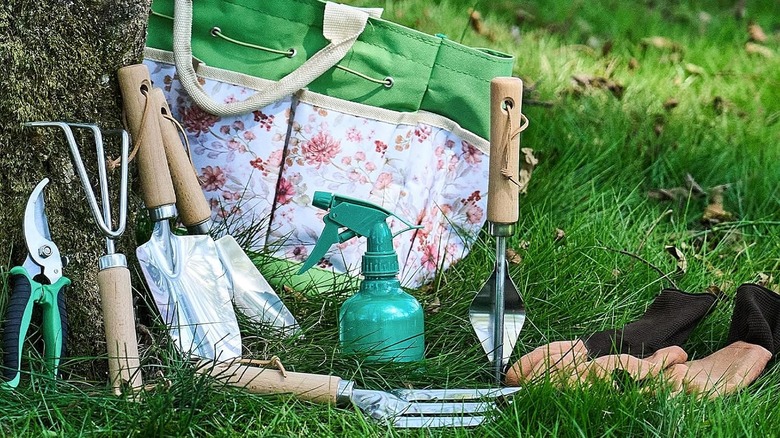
[(599, 156)]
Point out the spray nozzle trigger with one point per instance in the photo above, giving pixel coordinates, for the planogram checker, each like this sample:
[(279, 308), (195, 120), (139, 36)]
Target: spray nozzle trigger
[(357, 216)]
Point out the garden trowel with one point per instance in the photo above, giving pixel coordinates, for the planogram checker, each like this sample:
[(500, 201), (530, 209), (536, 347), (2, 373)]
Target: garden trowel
[(184, 273), (497, 313), (250, 291)]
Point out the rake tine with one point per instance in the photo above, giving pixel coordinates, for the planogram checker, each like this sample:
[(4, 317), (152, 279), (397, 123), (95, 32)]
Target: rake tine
[(452, 394), (418, 422), (449, 408)]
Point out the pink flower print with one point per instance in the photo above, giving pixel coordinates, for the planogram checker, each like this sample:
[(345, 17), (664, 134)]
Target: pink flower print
[(296, 178), (346, 161), (439, 151), (370, 166), (474, 214), (234, 145), (265, 120), (238, 125), (275, 159), (430, 257), (360, 155), (284, 191), (196, 120), (354, 175), (212, 178), (231, 196), (449, 144), (298, 253), (354, 135), (471, 154), (249, 135), (381, 147), (320, 149), (422, 132), (231, 99), (257, 163), (224, 129), (234, 211), (383, 181)]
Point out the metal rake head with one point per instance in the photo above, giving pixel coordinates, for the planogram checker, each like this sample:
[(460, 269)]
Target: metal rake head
[(415, 408)]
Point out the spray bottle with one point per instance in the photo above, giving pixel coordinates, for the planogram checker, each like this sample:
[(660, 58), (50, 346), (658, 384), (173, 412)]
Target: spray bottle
[(380, 321)]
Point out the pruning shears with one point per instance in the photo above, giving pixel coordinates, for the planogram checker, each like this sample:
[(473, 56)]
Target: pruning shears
[(38, 281)]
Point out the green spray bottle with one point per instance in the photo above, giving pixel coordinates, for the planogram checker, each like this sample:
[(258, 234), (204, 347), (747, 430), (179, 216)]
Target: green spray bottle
[(380, 321)]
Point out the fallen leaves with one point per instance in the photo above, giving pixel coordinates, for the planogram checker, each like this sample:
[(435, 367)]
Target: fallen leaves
[(714, 212), (528, 163), (682, 262), (758, 49), (662, 43), (584, 82)]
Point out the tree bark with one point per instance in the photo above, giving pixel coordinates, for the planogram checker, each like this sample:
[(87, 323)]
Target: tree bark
[(59, 60)]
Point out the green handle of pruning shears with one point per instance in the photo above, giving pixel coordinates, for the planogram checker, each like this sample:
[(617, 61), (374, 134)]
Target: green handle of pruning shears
[(25, 293)]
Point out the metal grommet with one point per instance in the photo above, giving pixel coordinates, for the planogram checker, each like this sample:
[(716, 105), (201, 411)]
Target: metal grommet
[(215, 31), (291, 53), (389, 81)]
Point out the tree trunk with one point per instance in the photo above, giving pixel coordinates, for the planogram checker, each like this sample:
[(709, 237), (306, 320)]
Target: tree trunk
[(59, 60)]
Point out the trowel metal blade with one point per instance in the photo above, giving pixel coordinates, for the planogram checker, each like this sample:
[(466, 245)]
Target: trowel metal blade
[(192, 293), (481, 316), (251, 292)]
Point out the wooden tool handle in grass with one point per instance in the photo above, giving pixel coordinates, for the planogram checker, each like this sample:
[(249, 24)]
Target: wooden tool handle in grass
[(119, 323), (506, 96), (144, 126), (312, 387), (190, 202)]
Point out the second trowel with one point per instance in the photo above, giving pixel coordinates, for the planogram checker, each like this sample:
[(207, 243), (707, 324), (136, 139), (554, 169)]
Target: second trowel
[(251, 292), (184, 273), (497, 313)]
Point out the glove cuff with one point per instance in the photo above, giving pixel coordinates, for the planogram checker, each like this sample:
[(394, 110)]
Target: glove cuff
[(756, 317), (669, 320)]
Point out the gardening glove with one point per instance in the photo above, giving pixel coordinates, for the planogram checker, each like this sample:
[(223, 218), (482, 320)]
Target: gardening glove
[(668, 321), (754, 338)]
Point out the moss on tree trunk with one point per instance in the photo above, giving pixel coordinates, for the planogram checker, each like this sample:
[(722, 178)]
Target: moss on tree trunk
[(59, 61)]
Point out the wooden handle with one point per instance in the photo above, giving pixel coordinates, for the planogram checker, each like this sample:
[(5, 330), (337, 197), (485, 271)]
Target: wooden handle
[(190, 201), (506, 97), (313, 387), (144, 127), (119, 321)]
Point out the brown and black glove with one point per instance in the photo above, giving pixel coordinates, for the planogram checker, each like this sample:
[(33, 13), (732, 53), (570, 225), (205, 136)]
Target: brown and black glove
[(667, 322), (754, 338)]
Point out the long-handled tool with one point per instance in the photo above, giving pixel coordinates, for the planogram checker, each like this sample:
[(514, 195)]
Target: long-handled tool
[(113, 275), (43, 262), (250, 291), (184, 273), (403, 408), (497, 312)]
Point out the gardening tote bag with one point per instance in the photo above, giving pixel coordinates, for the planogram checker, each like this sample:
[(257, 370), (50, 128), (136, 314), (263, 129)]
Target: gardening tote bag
[(282, 98)]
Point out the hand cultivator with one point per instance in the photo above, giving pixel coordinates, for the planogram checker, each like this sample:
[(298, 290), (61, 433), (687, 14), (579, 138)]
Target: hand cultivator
[(402, 408)]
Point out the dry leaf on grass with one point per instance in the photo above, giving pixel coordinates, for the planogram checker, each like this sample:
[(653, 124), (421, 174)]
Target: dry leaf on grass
[(528, 163), (513, 257), (714, 213), (633, 64), (682, 262), (434, 306), (671, 103), (679, 194), (756, 33), (694, 69), (758, 49), (560, 235), (475, 19), (584, 82), (762, 279), (659, 42)]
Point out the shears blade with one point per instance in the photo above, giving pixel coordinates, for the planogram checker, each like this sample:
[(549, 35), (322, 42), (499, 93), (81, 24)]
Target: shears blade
[(42, 250)]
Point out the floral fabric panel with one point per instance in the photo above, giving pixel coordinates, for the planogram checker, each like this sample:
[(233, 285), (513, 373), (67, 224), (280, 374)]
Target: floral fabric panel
[(238, 159), (425, 175)]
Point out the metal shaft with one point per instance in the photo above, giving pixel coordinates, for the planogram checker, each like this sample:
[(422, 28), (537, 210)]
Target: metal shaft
[(498, 309)]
